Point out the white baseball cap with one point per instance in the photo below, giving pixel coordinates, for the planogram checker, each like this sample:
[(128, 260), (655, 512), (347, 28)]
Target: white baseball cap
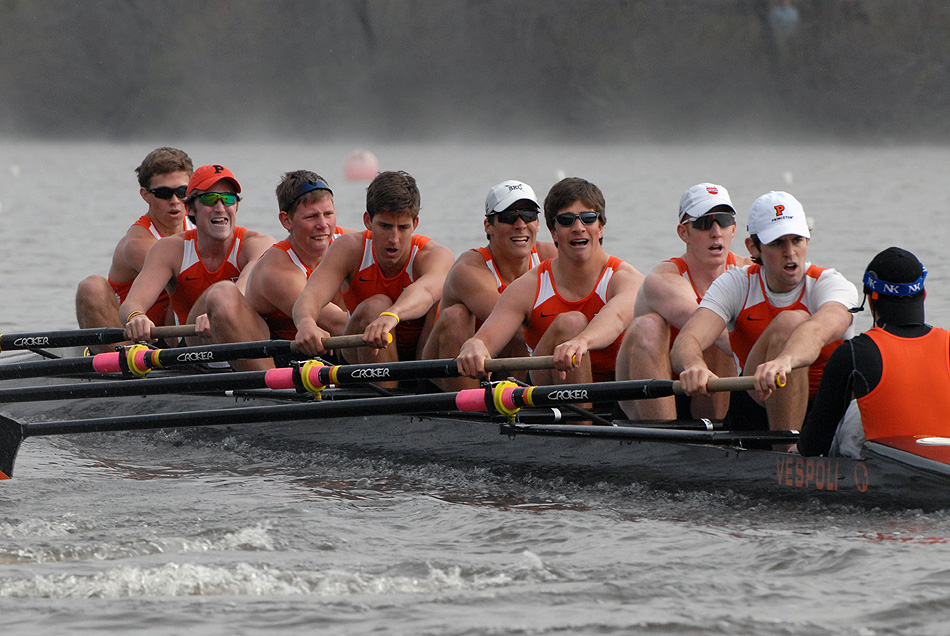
[(776, 214), (702, 198), (501, 196)]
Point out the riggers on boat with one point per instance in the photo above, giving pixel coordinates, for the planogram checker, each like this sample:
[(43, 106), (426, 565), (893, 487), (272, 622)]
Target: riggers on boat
[(504, 426)]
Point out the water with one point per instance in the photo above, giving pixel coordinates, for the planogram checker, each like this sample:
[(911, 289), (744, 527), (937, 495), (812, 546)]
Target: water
[(172, 533)]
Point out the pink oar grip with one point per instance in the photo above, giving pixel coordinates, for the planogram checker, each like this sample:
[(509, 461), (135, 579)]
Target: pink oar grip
[(470, 400), (138, 360), (506, 400), (106, 363), (282, 378)]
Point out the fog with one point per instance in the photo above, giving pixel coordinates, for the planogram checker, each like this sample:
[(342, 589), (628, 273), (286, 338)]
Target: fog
[(363, 70)]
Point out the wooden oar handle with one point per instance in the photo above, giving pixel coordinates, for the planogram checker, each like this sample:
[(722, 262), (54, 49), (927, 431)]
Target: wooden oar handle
[(743, 383), (343, 342), (333, 342), (519, 364), (173, 331), (340, 342)]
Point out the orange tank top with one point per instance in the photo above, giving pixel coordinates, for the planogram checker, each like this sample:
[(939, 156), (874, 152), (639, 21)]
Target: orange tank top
[(279, 323), (500, 284), (370, 281), (895, 406), (157, 312), (758, 312), (194, 278), (684, 272), (548, 304)]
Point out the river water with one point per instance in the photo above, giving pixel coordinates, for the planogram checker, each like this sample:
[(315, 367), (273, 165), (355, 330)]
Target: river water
[(175, 534)]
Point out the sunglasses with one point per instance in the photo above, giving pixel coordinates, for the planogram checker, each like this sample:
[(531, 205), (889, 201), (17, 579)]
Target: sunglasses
[(164, 192), (310, 186), (208, 199), (568, 219), (510, 217), (724, 219)]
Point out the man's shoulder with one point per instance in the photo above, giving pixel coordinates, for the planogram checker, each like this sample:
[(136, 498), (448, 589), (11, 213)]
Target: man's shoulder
[(138, 232), (471, 258), (664, 271), (469, 264), (274, 266), (433, 252)]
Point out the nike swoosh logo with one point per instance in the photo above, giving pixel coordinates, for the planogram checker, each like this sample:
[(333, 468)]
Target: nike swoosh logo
[(751, 318), (544, 315), (191, 278), (366, 280)]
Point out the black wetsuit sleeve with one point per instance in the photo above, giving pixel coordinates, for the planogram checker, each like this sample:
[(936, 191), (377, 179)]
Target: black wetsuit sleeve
[(852, 371)]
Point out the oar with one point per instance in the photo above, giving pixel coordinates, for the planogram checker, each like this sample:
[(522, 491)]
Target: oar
[(502, 397), (84, 337), (651, 434), (143, 359), (277, 379)]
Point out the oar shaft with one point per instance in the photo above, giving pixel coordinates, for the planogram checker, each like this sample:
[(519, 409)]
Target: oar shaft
[(116, 362), (136, 387), (160, 358), (645, 433), (325, 375), (245, 415), (83, 337), (274, 379), (470, 400)]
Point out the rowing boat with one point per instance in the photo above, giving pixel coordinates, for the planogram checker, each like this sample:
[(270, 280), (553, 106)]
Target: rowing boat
[(900, 472)]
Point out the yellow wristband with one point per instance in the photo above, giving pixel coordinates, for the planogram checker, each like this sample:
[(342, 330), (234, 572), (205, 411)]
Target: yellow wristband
[(389, 313), (132, 315)]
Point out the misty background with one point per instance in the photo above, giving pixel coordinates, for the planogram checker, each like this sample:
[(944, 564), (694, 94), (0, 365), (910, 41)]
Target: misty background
[(840, 70)]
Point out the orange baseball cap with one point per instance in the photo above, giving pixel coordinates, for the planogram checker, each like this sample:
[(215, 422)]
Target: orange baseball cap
[(206, 176)]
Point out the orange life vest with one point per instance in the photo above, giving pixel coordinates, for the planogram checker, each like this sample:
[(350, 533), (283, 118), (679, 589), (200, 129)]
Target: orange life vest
[(910, 367)]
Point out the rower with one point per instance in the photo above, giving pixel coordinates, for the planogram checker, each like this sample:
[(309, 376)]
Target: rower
[(391, 279), (671, 293), (784, 315), (188, 264), (574, 306), (871, 387), (480, 275), (306, 210), (163, 179)]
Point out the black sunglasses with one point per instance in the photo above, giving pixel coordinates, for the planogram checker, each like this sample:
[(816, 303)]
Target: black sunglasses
[(568, 219), (164, 192), (724, 219), (511, 216)]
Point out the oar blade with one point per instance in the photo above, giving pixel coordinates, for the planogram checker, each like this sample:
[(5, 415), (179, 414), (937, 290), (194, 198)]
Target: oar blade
[(11, 435)]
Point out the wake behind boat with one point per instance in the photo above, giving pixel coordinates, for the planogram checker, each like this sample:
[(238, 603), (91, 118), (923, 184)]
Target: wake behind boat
[(504, 427)]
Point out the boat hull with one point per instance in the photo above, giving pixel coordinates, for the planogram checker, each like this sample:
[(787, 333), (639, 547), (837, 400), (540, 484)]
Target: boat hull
[(895, 473)]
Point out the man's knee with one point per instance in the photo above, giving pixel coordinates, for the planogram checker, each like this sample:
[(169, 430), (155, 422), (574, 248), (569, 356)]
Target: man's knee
[(648, 333), (568, 325), (94, 290), (223, 299), (782, 326), (369, 310), (456, 322)]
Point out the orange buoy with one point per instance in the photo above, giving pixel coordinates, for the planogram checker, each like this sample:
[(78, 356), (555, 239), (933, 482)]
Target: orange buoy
[(361, 165)]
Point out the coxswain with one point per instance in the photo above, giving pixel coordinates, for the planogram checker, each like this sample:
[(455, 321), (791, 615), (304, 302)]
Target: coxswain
[(893, 379)]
